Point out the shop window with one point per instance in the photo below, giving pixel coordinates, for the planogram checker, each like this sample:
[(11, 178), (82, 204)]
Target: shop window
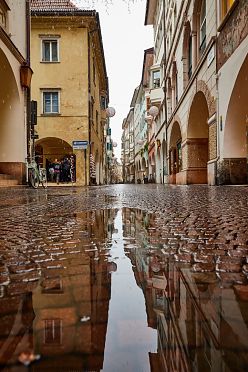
[(50, 102), (179, 156), (50, 51)]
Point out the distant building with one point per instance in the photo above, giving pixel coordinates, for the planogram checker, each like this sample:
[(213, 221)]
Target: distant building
[(70, 85), (14, 90)]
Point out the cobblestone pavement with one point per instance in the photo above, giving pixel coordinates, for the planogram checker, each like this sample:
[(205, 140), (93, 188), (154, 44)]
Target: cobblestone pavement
[(196, 234)]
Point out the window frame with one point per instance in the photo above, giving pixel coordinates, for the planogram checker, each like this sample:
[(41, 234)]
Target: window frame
[(50, 40), (154, 86), (43, 92), (202, 25), (190, 57)]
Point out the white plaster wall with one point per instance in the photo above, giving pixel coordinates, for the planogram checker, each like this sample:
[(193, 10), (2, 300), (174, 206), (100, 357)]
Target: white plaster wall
[(13, 148), (17, 24), (227, 78)]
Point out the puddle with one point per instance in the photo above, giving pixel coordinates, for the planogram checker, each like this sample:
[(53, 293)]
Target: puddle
[(116, 290)]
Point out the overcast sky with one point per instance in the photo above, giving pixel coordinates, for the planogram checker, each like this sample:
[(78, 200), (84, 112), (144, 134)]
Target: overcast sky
[(124, 39)]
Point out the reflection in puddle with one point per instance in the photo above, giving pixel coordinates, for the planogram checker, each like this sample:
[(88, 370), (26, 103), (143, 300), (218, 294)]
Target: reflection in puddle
[(116, 290)]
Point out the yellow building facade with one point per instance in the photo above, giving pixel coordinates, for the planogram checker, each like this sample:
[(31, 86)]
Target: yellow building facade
[(70, 86)]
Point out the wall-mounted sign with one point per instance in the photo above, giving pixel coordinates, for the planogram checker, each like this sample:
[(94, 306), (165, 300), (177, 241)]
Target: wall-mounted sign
[(80, 145)]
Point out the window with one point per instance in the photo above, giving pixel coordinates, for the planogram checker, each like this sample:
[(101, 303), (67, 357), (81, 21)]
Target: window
[(53, 331), (175, 16), (51, 102), (190, 58), (156, 79), (50, 51), (103, 102), (94, 72), (203, 26), (225, 7)]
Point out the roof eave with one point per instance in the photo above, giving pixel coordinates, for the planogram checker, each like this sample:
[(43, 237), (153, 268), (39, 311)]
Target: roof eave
[(150, 11)]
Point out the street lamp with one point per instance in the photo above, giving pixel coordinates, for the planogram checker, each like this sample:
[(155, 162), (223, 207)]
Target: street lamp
[(110, 112), (153, 111)]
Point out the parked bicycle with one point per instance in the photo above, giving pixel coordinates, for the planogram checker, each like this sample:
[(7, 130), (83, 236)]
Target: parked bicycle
[(36, 174)]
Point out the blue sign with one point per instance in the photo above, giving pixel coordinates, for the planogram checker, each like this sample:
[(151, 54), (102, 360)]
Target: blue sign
[(80, 145)]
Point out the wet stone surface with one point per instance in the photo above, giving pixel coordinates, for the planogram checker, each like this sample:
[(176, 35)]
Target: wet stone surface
[(124, 278)]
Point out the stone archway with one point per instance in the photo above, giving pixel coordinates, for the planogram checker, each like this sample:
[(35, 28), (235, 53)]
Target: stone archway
[(234, 169), (197, 140), (175, 153), (12, 129), (51, 148)]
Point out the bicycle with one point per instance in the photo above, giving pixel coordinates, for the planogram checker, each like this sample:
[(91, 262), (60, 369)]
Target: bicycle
[(36, 175)]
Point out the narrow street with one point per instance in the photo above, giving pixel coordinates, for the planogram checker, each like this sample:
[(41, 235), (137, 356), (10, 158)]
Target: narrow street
[(124, 278)]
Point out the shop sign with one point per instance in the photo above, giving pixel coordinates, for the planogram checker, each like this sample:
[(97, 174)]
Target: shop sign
[(80, 145)]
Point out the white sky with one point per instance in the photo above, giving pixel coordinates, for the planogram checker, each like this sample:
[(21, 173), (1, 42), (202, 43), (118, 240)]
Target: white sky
[(124, 40)]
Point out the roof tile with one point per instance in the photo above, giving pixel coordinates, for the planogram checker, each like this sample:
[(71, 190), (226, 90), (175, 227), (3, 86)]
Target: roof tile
[(52, 6)]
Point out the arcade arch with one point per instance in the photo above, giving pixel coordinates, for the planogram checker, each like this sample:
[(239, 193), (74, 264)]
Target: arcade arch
[(12, 130), (197, 140), (235, 145)]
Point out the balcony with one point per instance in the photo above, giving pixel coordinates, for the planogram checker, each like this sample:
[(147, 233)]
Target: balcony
[(233, 31), (156, 95)]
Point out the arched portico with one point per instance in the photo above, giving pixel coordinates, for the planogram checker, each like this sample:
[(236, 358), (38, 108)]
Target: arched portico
[(175, 153), (196, 145), (51, 148), (235, 149), (12, 129)]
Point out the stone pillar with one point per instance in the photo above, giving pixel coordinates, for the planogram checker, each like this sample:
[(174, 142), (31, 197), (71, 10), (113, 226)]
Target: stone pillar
[(81, 163), (232, 171), (197, 153)]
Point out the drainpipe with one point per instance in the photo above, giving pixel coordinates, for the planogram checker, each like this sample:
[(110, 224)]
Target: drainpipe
[(89, 103), (28, 90), (165, 90)]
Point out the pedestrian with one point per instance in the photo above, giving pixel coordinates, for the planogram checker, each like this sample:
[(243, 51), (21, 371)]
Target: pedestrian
[(57, 170), (51, 172), (66, 170)]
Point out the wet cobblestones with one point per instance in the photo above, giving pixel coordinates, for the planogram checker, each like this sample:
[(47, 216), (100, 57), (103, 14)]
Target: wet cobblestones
[(203, 226)]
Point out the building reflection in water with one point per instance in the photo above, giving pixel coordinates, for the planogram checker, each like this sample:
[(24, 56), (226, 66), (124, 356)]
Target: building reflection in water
[(64, 318), (55, 298), (201, 319)]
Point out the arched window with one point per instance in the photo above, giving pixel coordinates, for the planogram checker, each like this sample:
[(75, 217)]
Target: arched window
[(169, 99), (203, 26), (187, 54), (174, 85)]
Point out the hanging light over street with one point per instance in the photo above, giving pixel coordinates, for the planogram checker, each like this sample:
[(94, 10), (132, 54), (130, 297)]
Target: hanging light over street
[(110, 111), (153, 111)]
